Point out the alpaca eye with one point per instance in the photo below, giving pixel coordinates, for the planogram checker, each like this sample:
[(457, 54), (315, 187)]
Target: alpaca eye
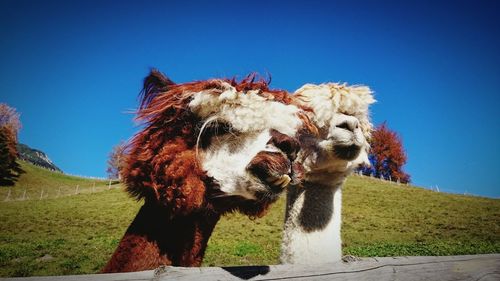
[(214, 130)]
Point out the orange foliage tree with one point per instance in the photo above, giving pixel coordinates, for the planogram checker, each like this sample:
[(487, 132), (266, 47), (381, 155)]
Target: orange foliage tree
[(387, 155), (9, 128)]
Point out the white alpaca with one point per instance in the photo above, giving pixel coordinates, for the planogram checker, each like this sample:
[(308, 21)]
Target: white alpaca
[(313, 212)]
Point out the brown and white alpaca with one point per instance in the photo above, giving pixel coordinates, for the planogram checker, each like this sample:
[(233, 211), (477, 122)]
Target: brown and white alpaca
[(206, 148), (313, 212)]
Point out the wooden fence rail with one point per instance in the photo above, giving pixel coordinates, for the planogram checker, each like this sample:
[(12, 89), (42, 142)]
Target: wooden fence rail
[(477, 267)]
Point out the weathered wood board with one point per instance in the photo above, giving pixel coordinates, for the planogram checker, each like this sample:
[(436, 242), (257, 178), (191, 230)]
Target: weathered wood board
[(477, 267)]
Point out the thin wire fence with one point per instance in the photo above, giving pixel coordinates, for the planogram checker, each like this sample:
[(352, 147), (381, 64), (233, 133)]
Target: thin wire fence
[(434, 188), (41, 193)]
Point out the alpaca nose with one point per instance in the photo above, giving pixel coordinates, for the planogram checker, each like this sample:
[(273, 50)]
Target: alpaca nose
[(349, 124)]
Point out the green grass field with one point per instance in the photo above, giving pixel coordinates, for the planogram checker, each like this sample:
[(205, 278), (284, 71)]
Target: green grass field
[(77, 234)]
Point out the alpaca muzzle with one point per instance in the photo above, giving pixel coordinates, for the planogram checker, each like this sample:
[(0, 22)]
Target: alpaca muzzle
[(272, 168)]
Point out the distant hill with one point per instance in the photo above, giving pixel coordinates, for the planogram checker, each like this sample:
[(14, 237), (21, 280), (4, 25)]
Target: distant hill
[(36, 157)]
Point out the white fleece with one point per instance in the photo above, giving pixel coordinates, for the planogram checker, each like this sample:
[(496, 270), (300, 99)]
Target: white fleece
[(246, 112), (320, 246), (329, 99)]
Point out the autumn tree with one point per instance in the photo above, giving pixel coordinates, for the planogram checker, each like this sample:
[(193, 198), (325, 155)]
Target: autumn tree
[(9, 118), (116, 160), (9, 128), (387, 155)]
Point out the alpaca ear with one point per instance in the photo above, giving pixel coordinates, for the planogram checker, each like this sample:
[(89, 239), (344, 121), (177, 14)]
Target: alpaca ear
[(154, 84)]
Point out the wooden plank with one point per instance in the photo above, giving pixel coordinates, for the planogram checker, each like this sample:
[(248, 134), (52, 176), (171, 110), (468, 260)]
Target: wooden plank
[(477, 267)]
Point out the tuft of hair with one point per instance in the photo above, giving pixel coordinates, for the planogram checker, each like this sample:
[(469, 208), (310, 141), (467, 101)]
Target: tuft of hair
[(328, 98), (254, 81)]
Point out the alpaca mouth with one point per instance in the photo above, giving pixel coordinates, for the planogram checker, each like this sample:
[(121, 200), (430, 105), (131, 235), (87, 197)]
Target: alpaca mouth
[(272, 169), (347, 152)]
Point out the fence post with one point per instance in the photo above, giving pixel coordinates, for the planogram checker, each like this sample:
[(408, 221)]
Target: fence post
[(8, 194), (109, 185), (41, 194)]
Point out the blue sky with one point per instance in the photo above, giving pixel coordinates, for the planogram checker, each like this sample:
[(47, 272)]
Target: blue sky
[(73, 70)]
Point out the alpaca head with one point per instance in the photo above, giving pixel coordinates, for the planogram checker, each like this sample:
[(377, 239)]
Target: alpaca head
[(341, 114), (215, 145)]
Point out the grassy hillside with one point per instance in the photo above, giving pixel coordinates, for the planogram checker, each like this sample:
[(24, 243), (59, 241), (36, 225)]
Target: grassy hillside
[(77, 234), (34, 179), (384, 219)]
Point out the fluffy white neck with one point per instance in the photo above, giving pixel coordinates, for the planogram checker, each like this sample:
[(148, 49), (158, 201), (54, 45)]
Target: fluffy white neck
[(312, 224)]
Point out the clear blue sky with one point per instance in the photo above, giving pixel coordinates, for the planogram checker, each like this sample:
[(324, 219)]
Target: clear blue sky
[(73, 70)]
